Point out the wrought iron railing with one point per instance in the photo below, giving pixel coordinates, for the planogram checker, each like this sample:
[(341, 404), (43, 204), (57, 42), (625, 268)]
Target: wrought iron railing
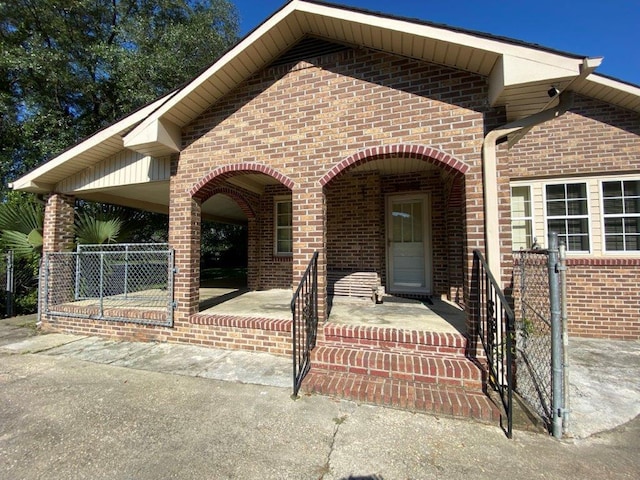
[(494, 323), (304, 308)]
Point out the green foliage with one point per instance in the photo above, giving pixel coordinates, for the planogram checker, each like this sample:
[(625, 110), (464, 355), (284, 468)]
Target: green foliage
[(21, 228), (223, 245), (94, 230), (71, 67)]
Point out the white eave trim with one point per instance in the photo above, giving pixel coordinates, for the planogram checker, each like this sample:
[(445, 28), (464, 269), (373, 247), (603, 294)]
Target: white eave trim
[(30, 180), (615, 84)]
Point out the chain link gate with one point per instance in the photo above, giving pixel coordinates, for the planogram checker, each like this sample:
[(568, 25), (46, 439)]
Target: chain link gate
[(536, 284), (107, 278)]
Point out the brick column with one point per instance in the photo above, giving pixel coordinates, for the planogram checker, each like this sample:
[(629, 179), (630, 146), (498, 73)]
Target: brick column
[(309, 236), (253, 254), (58, 231), (184, 237)]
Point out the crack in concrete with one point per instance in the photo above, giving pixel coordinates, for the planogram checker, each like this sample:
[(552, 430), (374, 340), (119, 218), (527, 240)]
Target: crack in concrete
[(326, 468)]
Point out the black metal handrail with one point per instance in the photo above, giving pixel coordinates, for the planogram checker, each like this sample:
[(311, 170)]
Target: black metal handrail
[(304, 308), (495, 324)]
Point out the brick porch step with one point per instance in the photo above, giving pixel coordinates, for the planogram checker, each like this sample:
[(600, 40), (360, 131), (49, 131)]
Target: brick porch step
[(395, 339), (409, 366), (404, 394)]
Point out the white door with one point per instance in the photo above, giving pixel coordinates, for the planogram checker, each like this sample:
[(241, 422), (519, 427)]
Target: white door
[(408, 244)]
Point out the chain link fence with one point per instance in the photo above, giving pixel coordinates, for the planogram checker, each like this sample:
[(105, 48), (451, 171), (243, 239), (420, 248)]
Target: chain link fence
[(533, 331), (7, 284), (100, 281)]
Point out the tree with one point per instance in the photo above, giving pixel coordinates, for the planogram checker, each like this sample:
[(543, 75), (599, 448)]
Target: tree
[(71, 67)]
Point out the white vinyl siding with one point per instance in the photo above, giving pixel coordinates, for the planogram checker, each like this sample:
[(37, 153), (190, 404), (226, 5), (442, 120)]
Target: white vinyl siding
[(124, 168)]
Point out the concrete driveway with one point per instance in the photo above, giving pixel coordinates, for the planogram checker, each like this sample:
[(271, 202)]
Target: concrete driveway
[(64, 417)]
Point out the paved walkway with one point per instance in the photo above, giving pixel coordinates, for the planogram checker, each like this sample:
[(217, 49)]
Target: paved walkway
[(85, 407)]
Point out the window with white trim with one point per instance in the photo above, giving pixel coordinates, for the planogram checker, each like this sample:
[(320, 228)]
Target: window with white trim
[(621, 215), (567, 214), (521, 217), (283, 220)]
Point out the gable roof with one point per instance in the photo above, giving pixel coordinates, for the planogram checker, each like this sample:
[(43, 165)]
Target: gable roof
[(519, 75)]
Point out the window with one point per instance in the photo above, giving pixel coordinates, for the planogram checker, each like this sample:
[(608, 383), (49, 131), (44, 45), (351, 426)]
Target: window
[(283, 226), (621, 212), (568, 214), (521, 218)]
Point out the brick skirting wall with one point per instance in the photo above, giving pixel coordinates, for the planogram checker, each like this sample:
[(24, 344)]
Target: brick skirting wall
[(216, 331), (603, 298)]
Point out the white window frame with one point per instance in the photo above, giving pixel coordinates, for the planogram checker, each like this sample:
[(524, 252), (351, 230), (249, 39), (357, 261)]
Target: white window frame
[(604, 216), (277, 201), (530, 218), (588, 215)]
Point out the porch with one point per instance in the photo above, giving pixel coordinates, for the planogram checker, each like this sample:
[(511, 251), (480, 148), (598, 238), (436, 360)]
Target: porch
[(405, 353), (434, 315)]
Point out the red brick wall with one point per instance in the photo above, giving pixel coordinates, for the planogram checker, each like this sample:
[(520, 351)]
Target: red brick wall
[(275, 270), (355, 223), (603, 298), (592, 138), (302, 120)]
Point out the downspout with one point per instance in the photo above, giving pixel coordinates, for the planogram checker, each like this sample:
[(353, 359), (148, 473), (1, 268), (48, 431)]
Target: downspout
[(489, 169), (490, 176)]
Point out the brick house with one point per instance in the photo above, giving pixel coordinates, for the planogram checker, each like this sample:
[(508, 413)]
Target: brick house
[(394, 148)]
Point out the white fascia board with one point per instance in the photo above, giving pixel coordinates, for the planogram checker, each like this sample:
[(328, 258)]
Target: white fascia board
[(137, 135), (30, 182), (615, 84)]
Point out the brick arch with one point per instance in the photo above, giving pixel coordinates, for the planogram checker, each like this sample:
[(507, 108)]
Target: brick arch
[(422, 152), (242, 202), (202, 189)]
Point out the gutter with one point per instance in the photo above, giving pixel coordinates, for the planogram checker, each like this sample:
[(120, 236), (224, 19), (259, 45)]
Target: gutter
[(490, 176), (489, 168)]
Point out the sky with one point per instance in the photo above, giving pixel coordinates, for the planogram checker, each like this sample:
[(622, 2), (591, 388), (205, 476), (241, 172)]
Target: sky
[(592, 28)]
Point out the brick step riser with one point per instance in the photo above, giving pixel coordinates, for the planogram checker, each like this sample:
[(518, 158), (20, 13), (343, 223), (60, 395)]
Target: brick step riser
[(413, 396), (410, 348), (390, 339), (459, 372)]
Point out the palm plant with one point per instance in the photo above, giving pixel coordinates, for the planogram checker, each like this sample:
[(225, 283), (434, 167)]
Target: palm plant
[(97, 230), (21, 228)]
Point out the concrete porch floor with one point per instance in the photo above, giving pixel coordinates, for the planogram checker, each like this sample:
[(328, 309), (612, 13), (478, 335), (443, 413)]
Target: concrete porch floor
[(437, 316)]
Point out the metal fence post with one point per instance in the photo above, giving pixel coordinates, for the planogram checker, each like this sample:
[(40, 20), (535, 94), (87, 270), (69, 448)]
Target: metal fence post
[(101, 284), (11, 286), (565, 336), (126, 269), (556, 338), (45, 293)]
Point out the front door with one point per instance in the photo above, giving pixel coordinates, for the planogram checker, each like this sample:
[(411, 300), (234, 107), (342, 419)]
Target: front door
[(408, 244)]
